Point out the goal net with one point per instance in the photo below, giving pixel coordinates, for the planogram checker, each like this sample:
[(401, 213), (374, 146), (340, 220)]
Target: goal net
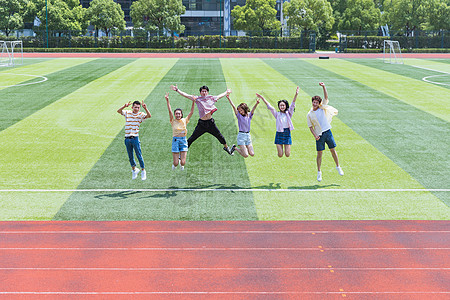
[(392, 53), (11, 53)]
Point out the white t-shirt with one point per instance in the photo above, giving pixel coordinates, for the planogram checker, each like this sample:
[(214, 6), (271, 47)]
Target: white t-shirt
[(284, 121), (324, 124)]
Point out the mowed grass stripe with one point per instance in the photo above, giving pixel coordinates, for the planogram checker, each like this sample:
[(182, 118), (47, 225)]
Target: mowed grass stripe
[(410, 69), (10, 76), (208, 166), (417, 93), (365, 167), (64, 77), (58, 145), (411, 138)]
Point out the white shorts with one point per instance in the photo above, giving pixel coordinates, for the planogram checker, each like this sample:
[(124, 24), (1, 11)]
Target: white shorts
[(244, 138)]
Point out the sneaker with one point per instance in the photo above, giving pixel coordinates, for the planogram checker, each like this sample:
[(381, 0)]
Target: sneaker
[(319, 176), (173, 167), (134, 173), (228, 150), (232, 149), (340, 171), (143, 175), (181, 168)]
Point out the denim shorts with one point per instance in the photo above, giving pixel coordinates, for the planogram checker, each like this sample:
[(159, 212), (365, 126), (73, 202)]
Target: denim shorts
[(244, 138), (179, 144), (283, 138), (326, 137)]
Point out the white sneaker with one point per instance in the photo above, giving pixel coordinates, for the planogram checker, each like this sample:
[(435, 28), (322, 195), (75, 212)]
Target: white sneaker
[(340, 171), (182, 168), (134, 173), (143, 175), (173, 167), (319, 176)]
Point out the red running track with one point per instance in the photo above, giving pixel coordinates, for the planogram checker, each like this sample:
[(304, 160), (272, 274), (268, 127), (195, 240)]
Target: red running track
[(223, 260)]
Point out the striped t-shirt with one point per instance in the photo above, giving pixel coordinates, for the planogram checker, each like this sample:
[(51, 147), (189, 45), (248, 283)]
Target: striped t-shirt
[(132, 122)]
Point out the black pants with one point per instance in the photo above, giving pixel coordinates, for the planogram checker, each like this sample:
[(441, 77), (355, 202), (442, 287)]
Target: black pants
[(204, 126)]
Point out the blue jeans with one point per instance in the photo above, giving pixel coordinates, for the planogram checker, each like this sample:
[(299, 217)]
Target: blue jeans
[(134, 143), (326, 137)]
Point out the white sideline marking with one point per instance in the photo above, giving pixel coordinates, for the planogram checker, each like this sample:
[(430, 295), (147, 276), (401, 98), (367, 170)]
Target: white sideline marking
[(222, 269), (23, 84), (216, 293), (213, 231), (426, 77), (223, 190)]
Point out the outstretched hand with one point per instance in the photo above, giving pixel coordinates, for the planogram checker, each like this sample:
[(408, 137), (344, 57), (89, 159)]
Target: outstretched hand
[(321, 84), (298, 90), (144, 105), (167, 97), (127, 104), (259, 96), (228, 91), (174, 88)]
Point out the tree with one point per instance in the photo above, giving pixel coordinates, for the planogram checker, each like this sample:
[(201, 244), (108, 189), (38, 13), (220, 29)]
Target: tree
[(438, 15), (309, 14), (106, 15), (360, 15), (256, 16), (63, 15), (158, 15), (11, 15), (407, 14)]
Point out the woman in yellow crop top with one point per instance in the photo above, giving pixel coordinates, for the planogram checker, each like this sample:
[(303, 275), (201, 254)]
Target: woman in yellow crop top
[(179, 142)]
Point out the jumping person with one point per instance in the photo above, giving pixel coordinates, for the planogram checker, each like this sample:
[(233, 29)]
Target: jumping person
[(284, 125), (206, 107), (179, 142), (319, 119), (133, 119), (244, 117)]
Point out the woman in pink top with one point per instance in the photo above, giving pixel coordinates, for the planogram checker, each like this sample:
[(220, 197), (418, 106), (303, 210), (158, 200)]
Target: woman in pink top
[(283, 123)]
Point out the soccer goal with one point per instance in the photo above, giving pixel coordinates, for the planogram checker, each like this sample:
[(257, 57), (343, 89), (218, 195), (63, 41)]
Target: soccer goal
[(12, 53), (392, 53)]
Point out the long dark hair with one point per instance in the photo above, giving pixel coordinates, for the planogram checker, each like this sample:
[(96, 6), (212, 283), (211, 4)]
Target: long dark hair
[(244, 106), (285, 102)]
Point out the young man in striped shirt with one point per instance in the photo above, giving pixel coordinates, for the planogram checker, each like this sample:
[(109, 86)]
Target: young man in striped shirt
[(206, 108), (133, 119)]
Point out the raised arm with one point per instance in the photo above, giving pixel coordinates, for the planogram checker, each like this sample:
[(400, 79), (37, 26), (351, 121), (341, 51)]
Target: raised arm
[(325, 93), (262, 98), (125, 105), (226, 93), (232, 105), (270, 107), (148, 115), (295, 96), (186, 95), (168, 107), (254, 107), (191, 112)]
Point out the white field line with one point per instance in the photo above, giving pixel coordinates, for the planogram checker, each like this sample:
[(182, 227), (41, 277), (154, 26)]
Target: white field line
[(227, 293), (220, 190), (426, 77), (213, 231), (23, 84), (220, 248), (224, 269)]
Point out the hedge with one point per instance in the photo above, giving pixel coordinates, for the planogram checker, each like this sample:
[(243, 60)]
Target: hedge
[(163, 50)]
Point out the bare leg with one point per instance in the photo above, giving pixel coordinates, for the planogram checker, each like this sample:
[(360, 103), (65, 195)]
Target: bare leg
[(250, 150), (242, 150), (287, 150), (319, 160), (335, 156), (280, 150), (183, 157), (176, 158)]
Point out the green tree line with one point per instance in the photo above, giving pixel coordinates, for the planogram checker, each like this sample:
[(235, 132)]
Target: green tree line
[(322, 16)]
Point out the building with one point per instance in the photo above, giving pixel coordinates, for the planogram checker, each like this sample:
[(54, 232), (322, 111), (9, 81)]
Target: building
[(201, 17)]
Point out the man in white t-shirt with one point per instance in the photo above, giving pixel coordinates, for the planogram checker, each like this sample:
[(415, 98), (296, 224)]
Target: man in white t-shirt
[(319, 119), (133, 119)]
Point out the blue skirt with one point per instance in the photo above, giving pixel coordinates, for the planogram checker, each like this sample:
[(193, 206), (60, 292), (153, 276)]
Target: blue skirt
[(283, 138)]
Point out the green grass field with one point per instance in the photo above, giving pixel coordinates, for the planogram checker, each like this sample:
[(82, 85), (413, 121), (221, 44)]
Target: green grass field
[(63, 155)]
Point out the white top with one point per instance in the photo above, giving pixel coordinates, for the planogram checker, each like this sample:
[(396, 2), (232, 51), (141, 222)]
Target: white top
[(284, 121), (323, 122)]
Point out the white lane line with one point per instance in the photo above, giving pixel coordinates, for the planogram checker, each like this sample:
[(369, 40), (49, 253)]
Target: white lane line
[(213, 231), (222, 190), (221, 248), (224, 269)]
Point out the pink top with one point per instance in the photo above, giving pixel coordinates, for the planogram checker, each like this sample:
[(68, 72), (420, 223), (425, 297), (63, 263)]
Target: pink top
[(206, 105), (277, 115)]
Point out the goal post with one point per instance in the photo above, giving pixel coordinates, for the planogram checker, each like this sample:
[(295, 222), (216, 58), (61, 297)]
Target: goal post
[(391, 52), (11, 53)]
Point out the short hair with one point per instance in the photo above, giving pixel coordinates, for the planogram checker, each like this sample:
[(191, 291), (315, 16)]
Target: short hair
[(317, 98), (179, 110), (244, 106), (203, 88), (285, 102), (137, 102)]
